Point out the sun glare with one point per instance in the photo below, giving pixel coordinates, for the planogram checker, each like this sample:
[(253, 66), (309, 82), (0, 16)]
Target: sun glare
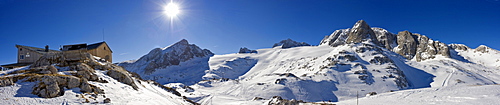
[(171, 10)]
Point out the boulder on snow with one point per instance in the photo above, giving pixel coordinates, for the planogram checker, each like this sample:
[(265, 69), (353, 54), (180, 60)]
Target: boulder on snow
[(289, 43), (107, 100), (122, 76), (85, 71), (371, 93), (49, 86), (6, 82)]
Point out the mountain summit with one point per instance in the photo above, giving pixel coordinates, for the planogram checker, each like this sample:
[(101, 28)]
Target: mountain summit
[(165, 58), (360, 32)]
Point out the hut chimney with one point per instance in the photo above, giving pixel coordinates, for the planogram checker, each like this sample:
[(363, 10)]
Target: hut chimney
[(46, 48)]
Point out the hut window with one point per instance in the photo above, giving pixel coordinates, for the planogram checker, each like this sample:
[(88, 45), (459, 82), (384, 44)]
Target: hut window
[(21, 57), (104, 48)]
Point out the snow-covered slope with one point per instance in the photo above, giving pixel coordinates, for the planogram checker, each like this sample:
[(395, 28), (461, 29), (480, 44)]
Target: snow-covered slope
[(341, 67), (481, 55), (180, 62), (324, 73)]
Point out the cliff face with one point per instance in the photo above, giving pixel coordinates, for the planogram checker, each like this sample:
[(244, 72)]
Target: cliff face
[(405, 43)]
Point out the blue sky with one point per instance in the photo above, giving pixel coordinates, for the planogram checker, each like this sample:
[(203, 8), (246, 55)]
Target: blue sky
[(133, 27)]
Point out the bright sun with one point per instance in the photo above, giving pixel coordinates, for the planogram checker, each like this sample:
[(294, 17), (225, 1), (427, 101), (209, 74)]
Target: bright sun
[(171, 10)]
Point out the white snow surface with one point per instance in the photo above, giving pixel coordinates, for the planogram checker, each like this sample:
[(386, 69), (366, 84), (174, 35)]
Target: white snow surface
[(456, 95)]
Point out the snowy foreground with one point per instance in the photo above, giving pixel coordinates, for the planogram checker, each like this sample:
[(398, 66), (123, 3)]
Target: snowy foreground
[(459, 95), (119, 93)]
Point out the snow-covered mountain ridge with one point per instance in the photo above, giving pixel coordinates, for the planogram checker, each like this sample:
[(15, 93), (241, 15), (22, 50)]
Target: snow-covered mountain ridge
[(360, 60), (179, 62)]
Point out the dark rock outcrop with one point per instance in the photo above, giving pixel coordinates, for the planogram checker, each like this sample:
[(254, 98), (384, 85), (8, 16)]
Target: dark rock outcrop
[(246, 50), (459, 47), (107, 100), (428, 49), (289, 43), (277, 100), (6, 82)]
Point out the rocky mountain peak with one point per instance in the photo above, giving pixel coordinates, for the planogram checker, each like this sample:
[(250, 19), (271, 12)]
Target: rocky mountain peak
[(482, 49), (361, 24), (182, 42), (360, 32), (289, 43), (405, 43), (172, 55)]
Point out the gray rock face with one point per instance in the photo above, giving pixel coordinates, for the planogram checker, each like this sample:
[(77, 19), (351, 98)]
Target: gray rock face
[(385, 38), (361, 32), (419, 46), (407, 45), (246, 50), (289, 43), (427, 48), (336, 38)]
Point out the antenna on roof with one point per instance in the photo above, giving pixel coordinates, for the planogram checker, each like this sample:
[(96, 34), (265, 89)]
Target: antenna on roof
[(102, 34)]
